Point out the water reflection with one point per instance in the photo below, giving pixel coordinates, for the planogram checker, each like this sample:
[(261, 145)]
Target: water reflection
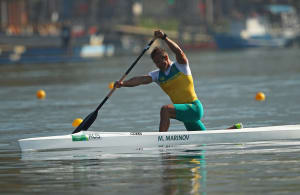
[(181, 171), (185, 174)]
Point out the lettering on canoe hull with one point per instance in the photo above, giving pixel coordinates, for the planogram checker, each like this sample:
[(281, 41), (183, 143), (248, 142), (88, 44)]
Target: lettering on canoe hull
[(94, 136), (136, 133), (168, 138)]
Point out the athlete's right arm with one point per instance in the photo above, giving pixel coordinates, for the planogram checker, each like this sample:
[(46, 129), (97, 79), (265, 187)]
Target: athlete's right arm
[(134, 81), (180, 55)]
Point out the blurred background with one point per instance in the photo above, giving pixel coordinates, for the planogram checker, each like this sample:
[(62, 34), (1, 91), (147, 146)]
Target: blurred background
[(41, 31)]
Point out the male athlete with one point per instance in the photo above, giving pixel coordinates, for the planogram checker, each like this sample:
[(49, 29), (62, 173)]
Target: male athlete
[(176, 81)]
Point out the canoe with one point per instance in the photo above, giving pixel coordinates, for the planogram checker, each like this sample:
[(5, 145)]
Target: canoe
[(93, 139)]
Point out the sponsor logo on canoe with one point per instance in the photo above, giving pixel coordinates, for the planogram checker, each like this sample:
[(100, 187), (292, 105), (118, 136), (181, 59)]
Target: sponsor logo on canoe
[(76, 138), (89, 137), (136, 133), (173, 138)]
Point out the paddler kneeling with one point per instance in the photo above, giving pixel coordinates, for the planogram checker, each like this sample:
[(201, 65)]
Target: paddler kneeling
[(175, 79)]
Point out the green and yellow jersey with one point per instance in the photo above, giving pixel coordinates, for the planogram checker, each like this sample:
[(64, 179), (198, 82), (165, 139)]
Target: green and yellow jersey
[(177, 82)]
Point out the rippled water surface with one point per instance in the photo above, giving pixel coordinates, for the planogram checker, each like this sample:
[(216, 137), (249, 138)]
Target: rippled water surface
[(226, 83)]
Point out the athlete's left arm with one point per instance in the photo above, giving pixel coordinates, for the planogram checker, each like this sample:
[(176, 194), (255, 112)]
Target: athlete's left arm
[(180, 55)]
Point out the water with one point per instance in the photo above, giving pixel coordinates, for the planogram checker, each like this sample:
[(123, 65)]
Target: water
[(226, 83)]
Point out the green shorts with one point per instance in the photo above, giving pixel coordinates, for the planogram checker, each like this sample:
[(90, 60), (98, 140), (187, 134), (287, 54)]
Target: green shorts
[(190, 115)]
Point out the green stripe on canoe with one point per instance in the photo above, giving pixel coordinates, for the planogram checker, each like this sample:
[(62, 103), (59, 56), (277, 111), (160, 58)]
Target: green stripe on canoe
[(76, 138)]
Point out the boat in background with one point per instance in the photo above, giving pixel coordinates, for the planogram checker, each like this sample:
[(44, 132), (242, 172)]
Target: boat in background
[(88, 49), (87, 53), (260, 31), (121, 140)]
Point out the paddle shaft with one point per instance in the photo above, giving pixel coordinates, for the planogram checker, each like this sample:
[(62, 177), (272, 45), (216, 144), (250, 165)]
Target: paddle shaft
[(88, 121), (124, 76)]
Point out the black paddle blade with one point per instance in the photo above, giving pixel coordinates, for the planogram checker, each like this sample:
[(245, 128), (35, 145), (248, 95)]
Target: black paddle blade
[(87, 122)]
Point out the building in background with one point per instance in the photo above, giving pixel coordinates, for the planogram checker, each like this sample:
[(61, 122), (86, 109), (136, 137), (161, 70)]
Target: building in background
[(191, 22)]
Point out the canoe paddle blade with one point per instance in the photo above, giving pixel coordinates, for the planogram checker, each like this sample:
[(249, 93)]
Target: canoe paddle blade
[(87, 122)]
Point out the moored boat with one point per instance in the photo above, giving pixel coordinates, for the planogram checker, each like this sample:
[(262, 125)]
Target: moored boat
[(93, 139), (261, 30)]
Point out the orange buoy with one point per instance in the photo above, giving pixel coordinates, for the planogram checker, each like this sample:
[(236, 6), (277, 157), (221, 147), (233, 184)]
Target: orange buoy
[(260, 96), (76, 122), (41, 94)]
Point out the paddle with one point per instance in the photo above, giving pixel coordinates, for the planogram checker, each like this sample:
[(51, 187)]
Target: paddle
[(88, 121)]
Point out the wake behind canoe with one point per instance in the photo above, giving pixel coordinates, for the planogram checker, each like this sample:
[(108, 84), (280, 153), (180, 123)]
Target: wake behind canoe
[(92, 139)]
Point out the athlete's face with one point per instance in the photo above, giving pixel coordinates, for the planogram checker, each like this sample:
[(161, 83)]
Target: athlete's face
[(161, 61)]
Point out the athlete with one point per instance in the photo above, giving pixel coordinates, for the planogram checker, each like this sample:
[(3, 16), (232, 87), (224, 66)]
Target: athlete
[(175, 79)]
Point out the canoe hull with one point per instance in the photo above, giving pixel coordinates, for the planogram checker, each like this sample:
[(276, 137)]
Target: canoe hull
[(91, 139)]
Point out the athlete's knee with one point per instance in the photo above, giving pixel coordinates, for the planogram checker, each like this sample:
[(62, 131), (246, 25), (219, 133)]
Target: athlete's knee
[(168, 110), (164, 110)]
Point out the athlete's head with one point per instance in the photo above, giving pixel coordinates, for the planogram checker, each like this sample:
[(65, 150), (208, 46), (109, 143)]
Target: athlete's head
[(160, 58)]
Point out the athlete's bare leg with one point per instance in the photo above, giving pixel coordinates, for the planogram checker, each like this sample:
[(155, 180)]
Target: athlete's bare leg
[(166, 113)]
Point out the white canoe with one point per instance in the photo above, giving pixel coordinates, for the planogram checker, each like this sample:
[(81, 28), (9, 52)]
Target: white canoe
[(92, 139)]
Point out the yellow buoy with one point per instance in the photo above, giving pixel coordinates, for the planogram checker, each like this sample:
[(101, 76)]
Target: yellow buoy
[(41, 94), (77, 122), (260, 96), (111, 85)]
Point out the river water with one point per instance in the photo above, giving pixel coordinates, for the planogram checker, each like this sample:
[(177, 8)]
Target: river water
[(226, 83)]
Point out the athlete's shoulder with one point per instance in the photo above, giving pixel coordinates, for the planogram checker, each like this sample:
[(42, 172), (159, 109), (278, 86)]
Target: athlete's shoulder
[(154, 74), (185, 68)]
